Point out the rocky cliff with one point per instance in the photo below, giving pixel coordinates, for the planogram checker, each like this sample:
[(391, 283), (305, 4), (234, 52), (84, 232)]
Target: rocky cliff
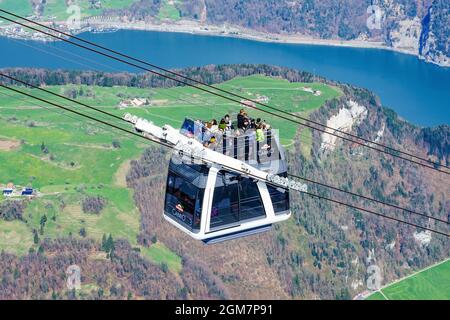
[(419, 27)]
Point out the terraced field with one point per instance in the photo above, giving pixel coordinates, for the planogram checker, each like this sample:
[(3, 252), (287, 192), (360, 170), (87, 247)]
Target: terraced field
[(69, 158)]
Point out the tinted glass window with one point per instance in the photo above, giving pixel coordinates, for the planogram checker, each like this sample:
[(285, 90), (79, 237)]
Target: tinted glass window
[(235, 199), (193, 173), (225, 206), (280, 199), (251, 205), (183, 201), (198, 209)]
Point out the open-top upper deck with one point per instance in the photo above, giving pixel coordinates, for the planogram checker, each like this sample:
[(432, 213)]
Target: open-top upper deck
[(263, 152)]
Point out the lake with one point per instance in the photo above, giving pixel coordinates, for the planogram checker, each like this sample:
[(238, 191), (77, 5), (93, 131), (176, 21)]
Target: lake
[(419, 92)]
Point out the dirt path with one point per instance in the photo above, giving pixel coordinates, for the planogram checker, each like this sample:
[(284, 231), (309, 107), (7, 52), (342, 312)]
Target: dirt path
[(8, 145), (120, 177)]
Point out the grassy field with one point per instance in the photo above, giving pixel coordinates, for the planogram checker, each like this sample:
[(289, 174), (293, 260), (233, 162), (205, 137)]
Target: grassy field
[(430, 284), (168, 10), (376, 296), (119, 218), (20, 7), (58, 8), (15, 237), (69, 158), (159, 253)]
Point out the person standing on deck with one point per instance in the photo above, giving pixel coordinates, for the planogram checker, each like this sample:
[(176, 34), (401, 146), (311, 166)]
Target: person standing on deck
[(260, 133), (228, 122), (222, 125), (241, 117), (259, 139), (213, 127)]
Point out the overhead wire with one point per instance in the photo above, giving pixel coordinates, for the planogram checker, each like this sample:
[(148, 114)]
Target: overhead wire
[(296, 176), (434, 165), (171, 147)]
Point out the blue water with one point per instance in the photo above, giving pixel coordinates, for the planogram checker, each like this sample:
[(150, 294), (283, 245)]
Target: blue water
[(417, 91)]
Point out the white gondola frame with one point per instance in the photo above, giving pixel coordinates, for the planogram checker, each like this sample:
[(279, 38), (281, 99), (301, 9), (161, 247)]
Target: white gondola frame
[(205, 223)]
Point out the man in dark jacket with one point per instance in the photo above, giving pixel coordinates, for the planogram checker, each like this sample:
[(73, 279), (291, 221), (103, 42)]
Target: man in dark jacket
[(241, 119)]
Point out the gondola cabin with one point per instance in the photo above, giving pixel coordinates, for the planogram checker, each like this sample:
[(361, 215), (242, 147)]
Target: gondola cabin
[(213, 204)]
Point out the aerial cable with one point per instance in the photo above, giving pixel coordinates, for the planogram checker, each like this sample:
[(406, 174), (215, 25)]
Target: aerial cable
[(188, 100), (294, 176), (369, 198), (213, 87), (433, 166), (245, 173)]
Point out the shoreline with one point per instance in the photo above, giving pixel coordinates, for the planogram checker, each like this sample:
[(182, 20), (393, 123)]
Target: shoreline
[(196, 28)]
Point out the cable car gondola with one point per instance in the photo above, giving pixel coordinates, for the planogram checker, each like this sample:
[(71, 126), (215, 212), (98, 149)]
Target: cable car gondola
[(214, 204)]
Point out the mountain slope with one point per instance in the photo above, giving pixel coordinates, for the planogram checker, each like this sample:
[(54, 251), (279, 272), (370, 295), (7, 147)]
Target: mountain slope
[(323, 251), (419, 27)]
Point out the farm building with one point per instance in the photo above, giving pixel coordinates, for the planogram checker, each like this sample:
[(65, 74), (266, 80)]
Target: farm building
[(136, 102), (246, 103), (7, 192), (27, 192)]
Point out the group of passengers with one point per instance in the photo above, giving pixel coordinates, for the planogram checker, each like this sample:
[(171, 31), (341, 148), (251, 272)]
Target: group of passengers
[(244, 123), (211, 130), (225, 124)]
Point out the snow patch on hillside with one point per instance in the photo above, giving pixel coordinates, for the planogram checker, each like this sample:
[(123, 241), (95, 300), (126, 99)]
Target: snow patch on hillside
[(380, 133), (407, 34), (423, 237), (390, 246), (347, 117), (356, 284)]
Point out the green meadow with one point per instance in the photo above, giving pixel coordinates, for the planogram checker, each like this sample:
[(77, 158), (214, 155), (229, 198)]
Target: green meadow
[(376, 296), (430, 284), (19, 7), (67, 157), (58, 8), (168, 10)]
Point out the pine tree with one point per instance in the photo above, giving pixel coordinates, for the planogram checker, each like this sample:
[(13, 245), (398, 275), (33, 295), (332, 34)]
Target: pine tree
[(103, 247), (42, 223), (16, 274), (35, 237), (110, 243), (43, 220)]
